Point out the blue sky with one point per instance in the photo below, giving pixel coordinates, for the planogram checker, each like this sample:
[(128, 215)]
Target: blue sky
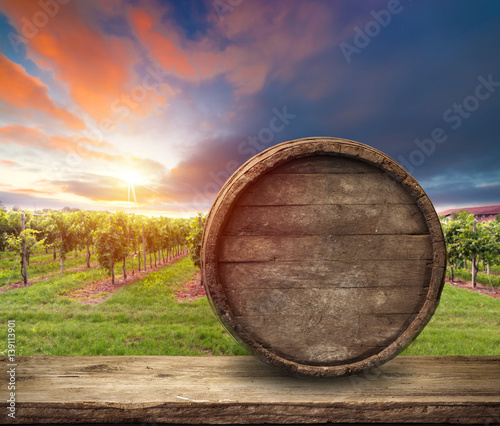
[(171, 97)]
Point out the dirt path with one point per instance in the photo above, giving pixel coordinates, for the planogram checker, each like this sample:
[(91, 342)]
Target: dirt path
[(191, 290), (480, 288), (98, 291)]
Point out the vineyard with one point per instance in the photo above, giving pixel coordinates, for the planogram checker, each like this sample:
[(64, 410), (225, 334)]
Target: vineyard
[(473, 247), (113, 238), (109, 238)]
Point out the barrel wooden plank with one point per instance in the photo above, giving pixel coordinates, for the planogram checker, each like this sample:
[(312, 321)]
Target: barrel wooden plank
[(306, 189), (371, 330), (325, 164), (313, 239), (237, 390), (328, 247), (327, 274), (319, 301), (326, 219), (353, 336)]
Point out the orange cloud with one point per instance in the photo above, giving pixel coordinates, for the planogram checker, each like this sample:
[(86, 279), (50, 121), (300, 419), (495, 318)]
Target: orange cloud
[(94, 66), (33, 191), (171, 58), (21, 90), (29, 137), (259, 43)]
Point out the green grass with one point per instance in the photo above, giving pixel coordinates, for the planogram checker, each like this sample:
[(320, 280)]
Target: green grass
[(141, 319), (465, 323), (36, 271), (53, 268), (10, 261)]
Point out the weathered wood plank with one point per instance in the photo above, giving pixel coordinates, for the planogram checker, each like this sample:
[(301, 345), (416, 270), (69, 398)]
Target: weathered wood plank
[(303, 189), (325, 164), (325, 301), (326, 219), (216, 390), (328, 247), (324, 274), (324, 338)]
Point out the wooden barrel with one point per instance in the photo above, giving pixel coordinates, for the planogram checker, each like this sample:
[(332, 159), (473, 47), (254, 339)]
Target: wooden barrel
[(323, 257)]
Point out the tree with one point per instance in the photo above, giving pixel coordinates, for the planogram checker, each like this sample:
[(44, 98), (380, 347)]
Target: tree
[(65, 238), (134, 233), (4, 226), (194, 238), (26, 242), (469, 244), (121, 223), (489, 242), (151, 231), (50, 233), (85, 225), (111, 243), (451, 231)]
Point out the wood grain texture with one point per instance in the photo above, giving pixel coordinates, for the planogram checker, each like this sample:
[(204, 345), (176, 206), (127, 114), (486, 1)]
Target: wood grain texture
[(304, 189), (337, 219), (236, 276), (327, 247), (325, 301), (323, 231), (351, 337), (325, 164), (242, 390)]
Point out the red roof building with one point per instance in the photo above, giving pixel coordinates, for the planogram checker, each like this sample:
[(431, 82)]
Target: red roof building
[(482, 214)]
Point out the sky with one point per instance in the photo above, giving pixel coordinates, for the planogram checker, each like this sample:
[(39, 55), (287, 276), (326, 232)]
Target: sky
[(149, 106)]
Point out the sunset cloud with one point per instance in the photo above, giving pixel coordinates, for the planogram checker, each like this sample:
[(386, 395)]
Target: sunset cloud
[(102, 188), (170, 57), (63, 46), (26, 93), (247, 48), (31, 138)]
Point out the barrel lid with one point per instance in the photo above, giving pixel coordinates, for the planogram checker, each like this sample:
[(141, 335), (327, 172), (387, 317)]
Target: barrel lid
[(323, 257)]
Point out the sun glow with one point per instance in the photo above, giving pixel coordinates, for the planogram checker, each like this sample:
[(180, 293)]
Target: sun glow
[(132, 179)]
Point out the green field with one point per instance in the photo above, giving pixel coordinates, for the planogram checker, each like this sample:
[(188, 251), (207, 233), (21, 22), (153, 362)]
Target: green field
[(145, 319), (465, 323), (141, 319)]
